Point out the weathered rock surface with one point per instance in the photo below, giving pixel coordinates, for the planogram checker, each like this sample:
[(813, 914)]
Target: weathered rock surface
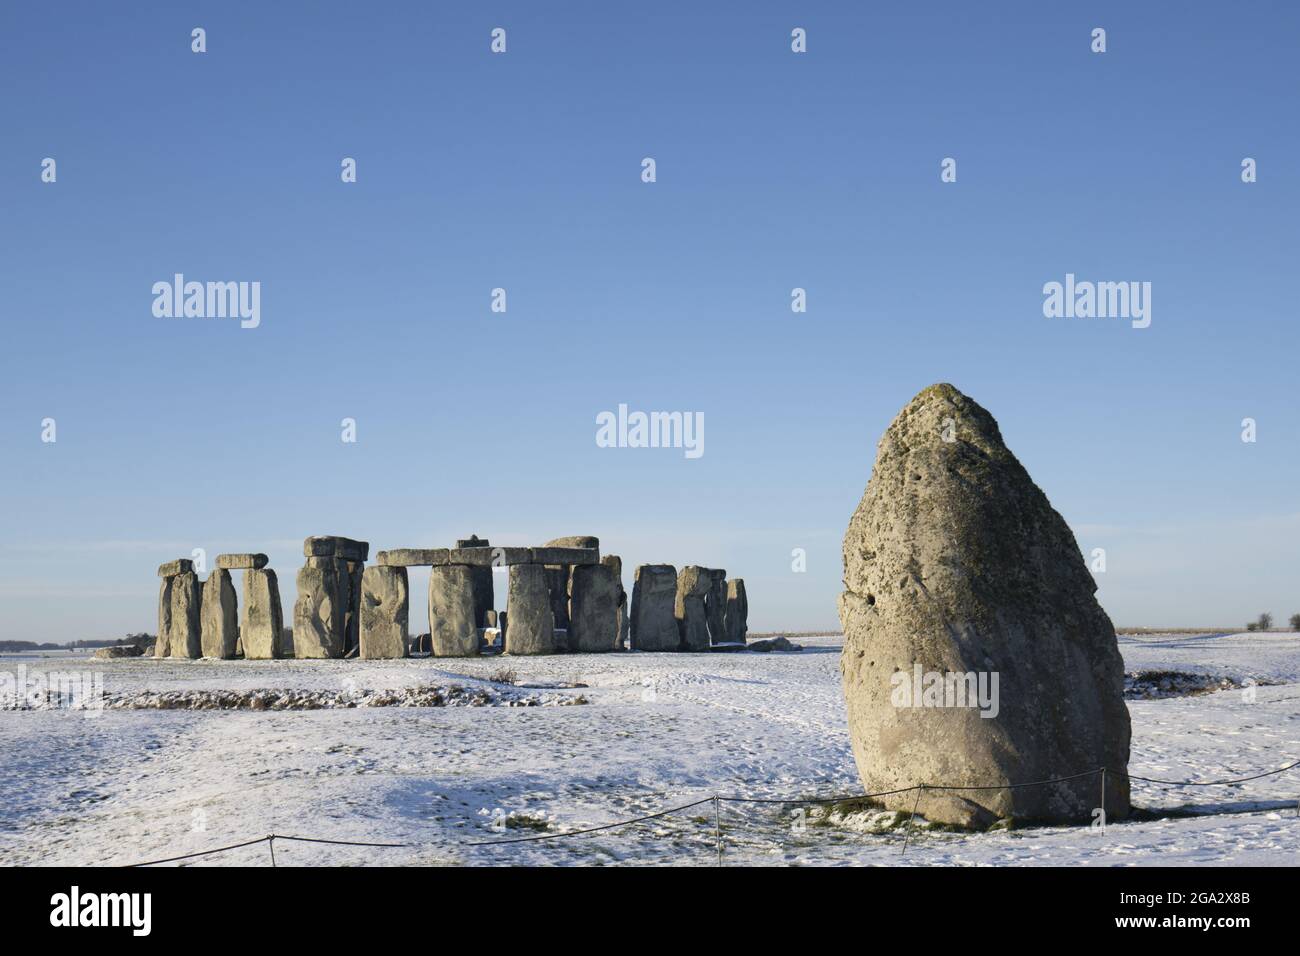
[(173, 568), (413, 557), (775, 644), (183, 636), (557, 585), (575, 541), (688, 608), (385, 612), (118, 650), (319, 626), (335, 546), (654, 592), (715, 605), (736, 621), (219, 618), (615, 563), (234, 562), (263, 618), (531, 627), (350, 578), (955, 563), (593, 605), (453, 611)]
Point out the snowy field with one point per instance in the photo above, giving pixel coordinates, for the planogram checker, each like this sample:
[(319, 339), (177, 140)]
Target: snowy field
[(646, 732)]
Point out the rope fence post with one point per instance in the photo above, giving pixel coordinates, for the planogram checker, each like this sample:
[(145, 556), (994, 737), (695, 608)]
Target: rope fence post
[(907, 834), (1103, 799), (270, 841), (717, 825)]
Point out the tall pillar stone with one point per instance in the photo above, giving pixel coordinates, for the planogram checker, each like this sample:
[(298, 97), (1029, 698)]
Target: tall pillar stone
[(614, 562), (318, 613), (532, 627), (593, 605), (736, 622), (483, 588), (219, 623), (453, 610), (180, 601), (263, 618), (654, 591), (385, 612), (328, 609), (688, 609), (715, 606)]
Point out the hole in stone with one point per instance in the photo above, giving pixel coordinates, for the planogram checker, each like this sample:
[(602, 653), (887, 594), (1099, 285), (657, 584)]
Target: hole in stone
[(871, 599)]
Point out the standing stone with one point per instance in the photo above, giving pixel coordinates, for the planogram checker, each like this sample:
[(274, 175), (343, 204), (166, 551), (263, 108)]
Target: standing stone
[(594, 608), (688, 608), (955, 563), (350, 578), (557, 586), (481, 575), (532, 628), (453, 611), (715, 606), (263, 618), (736, 622), (385, 612), (614, 562), (318, 613), (162, 646), (654, 592), (184, 633), (220, 616)]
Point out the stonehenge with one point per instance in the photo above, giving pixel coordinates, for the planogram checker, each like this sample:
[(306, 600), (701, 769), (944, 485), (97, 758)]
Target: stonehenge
[(563, 596)]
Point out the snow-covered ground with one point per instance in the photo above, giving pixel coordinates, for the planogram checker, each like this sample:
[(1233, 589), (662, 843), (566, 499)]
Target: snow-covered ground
[(647, 732)]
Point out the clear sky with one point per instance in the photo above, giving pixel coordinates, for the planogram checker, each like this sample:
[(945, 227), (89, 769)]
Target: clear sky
[(522, 171)]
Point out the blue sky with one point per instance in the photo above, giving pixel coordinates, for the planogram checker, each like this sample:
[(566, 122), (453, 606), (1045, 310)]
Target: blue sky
[(522, 171)]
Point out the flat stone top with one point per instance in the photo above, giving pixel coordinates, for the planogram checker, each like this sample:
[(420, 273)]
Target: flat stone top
[(331, 545), (236, 561), (173, 568), (478, 556)]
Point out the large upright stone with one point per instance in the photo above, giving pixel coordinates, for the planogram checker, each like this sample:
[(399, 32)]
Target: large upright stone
[(654, 592), (688, 608), (220, 616), (180, 602), (593, 604), (531, 627), (615, 563), (557, 586), (715, 605), (453, 610), (385, 612), (263, 618), (957, 571), (481, 573), (318, 613), (350, 578), (736, 621)]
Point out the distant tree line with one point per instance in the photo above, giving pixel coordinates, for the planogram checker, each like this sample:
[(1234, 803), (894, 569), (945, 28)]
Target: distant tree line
[(141, 640), (1265, 622)]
